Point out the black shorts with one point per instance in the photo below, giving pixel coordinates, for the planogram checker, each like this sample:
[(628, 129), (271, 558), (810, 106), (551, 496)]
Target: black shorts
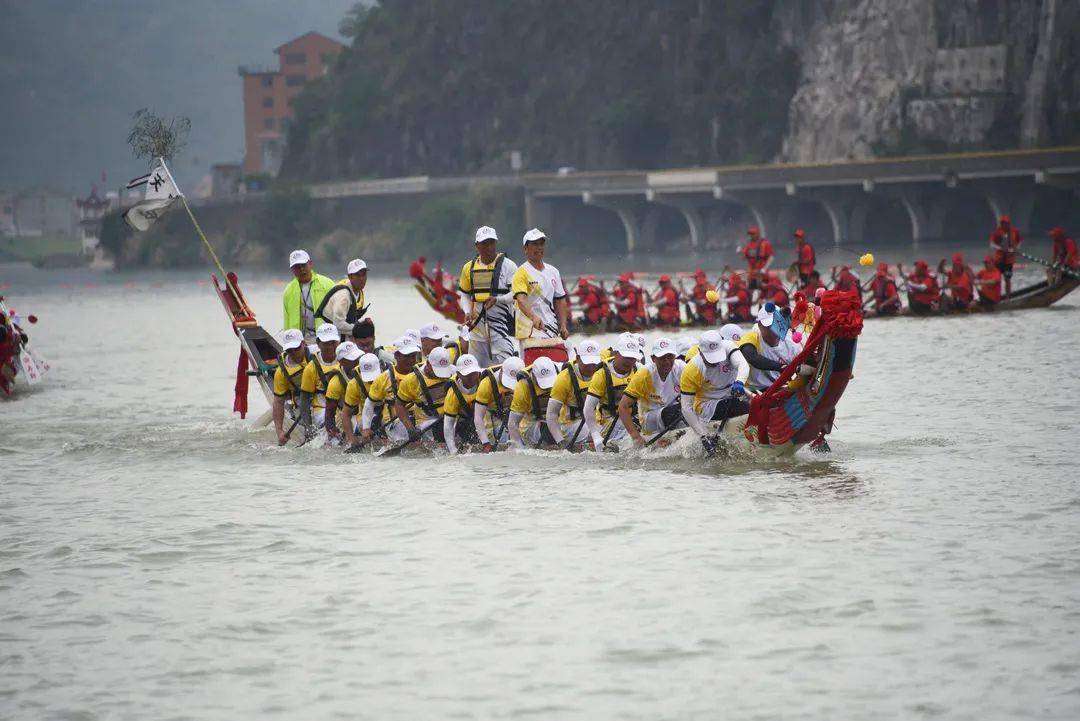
[(1005, 268), (729, 408), (804, 280), (919, 308), (755, 284)]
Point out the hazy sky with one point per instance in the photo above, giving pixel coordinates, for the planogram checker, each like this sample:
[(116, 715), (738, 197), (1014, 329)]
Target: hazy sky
[(72, 73)]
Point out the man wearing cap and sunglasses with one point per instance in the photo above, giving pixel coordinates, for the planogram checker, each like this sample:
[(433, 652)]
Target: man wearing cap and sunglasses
[(316, 379), (348, 356), (356, 394), (303, 294), (485, 282), (654, 389), (424, 390), (345, 303), (606, 390), (383, 391), (290, 369), (713, 386), (495, 393), (529, 404), (564, 408), (459, 405)]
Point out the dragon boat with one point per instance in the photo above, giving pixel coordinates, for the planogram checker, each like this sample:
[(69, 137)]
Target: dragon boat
[(20, 367)]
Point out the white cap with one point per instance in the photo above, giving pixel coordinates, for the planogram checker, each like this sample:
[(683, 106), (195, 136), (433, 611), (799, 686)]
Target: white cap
[(348, 351), (355, 266), (766, 317), (640, 341), (683, 344), (406, 345), (628, 348), (467, 364), (662, 347), (412, 334), (431, 331), (588, 352), (544, 372), (327, 332), (298, 257), (731, 332), (485, 232), (370, 368), (534, 234), (628, 338), (510, 368), (439, 360), (292, 338), (712, 347)]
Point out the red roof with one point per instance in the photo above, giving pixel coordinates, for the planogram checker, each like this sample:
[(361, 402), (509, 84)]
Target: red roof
[(281, 47)]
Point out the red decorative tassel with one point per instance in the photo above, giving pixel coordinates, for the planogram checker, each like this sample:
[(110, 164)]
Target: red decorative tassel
[(240, 390)]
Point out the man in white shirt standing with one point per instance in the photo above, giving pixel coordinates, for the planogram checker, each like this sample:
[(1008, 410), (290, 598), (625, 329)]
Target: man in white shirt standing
[(542, 305)]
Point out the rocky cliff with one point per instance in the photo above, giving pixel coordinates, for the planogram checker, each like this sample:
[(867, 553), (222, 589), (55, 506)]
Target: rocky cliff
[(890, 77)]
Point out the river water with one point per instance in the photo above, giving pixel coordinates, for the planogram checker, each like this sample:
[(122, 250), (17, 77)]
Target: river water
[(161, 559)]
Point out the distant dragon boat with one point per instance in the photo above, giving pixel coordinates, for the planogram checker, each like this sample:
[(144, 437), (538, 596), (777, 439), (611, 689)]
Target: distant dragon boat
[(20, 368), (1037, 295)]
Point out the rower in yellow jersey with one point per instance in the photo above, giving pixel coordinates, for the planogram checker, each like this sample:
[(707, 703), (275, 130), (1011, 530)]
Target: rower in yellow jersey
[(356, 394), (458, 408), (530, 402), (316, 378), (493, 398), (432, 337), (653, 392), (290, 368), (564, 408), (605, 392), (712, 386), (424, 390), (348, 355), (377, 415)]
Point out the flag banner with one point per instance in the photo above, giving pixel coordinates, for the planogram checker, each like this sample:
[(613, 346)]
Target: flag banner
[(161, 194)]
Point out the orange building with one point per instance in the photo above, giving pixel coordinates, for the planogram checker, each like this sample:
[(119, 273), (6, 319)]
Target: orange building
[(269, 97)]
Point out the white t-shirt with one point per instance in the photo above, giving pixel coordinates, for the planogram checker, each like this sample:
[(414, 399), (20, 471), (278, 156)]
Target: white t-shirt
[(541, 288)]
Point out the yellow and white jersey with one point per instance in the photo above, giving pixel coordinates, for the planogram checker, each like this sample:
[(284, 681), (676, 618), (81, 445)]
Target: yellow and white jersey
[(709, 383), (650, 391)]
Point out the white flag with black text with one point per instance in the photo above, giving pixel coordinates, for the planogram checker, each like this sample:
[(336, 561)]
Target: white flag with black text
[(161, 193)]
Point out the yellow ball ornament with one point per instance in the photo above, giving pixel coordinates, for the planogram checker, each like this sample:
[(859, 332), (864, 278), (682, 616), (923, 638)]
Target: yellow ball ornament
[(712, 296), (867, 259)]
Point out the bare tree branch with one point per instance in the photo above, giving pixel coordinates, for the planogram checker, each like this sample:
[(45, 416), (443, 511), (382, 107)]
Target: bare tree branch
[(154, 137)]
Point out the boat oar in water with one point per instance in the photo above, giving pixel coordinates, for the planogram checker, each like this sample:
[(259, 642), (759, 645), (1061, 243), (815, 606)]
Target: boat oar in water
[(661, 434), (391, 451)]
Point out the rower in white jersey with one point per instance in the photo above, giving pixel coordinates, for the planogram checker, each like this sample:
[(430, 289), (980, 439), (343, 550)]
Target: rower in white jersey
[(653, 392)]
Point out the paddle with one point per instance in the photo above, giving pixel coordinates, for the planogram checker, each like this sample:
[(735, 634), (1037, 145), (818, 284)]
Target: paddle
[(662, 433), (392, 451), (1067, 271)]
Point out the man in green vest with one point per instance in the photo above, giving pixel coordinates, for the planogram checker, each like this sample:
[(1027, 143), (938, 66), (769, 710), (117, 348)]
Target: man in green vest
[(303, 294)]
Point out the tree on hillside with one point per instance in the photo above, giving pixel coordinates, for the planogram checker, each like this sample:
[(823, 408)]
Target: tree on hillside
[(442, 88)]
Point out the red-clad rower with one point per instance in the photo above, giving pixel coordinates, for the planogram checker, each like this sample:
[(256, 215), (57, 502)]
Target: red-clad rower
[(706, 311), (961, 282), (1005, 240), (628, 300), (805, 257), (847, 281), (813, 284), (1063, 255), (593, 302), (775, 291), (758, 252), (924, 293), (989, 282), (886, 295), (666, 302), (738, 300)]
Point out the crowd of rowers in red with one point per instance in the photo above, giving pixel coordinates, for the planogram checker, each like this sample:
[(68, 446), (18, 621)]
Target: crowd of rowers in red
[(628, 304)]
